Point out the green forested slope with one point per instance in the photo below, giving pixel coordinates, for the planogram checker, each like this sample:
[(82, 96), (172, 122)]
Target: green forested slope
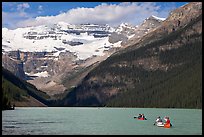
[(16, 90), (180, 88)]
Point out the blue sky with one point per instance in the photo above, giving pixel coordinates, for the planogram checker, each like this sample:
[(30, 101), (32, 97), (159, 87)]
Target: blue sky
[(22, 14)]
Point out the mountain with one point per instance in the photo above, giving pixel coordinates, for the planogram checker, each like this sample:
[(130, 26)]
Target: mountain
[(161, 69), (147, 26), (19, 92), (126, 32), (49, 54), (55, 58), (122, 33), (58, 38)]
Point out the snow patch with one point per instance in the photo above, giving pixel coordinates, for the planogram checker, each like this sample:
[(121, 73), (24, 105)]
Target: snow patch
[(39, 74), (131, 36), (158, 18)]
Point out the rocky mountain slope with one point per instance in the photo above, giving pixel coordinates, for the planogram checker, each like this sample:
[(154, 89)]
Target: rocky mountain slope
[(161, 69), (15, 65)]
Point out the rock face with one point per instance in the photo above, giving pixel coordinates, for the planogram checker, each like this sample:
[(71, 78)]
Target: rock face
[(122, 33), (147, 26), (15, 65), (160, 63), (126, 32), (47, 73), (115, 37)]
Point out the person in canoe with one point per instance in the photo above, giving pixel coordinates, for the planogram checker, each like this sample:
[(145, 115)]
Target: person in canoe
[(139, 116), (158, 121), (167, 123), (143, 117)]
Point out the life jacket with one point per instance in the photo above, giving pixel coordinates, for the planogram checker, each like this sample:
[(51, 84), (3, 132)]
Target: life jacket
[(167, 121), (167, 124)]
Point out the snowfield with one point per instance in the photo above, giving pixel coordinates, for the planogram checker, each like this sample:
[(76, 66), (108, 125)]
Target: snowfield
[(54, 39), (84, 40)]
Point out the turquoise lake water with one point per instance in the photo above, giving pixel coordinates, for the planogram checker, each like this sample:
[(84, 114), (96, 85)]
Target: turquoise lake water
[(98, 121)]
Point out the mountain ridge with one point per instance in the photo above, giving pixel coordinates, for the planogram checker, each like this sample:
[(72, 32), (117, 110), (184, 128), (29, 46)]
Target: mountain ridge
[(142, 72)]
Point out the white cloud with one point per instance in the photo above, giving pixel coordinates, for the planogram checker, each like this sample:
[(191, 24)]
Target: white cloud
[(111, 14), (23, 6), (12, 18), (106, 14), (40, 9)]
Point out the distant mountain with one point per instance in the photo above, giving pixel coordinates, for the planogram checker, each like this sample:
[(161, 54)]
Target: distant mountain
[(122, 33), (46, 55), (49, 56), (126, 32), (161, 69), (147, 26), (58, 38), (63, 37), (19, 92)]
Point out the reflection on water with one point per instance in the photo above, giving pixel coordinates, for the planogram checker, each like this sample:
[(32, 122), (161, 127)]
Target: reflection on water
[(95, 121)]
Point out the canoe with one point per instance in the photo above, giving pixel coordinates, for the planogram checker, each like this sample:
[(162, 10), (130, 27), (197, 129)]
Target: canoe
[(160, 124), (140, 118), (167, 125)]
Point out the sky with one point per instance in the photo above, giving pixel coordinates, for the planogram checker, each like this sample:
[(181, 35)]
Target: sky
[(23, 14)]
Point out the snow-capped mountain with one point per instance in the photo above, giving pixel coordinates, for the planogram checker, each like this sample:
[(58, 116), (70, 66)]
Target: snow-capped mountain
[(144, 28), (61, 37), (148, 24), (82, 40), (48, 54), (122, 33)]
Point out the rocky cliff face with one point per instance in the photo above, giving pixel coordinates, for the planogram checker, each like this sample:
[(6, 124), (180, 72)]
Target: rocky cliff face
[(47, 72), (15, 65)]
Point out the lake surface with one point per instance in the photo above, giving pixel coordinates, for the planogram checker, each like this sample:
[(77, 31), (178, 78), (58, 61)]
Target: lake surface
[(98, 121)]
